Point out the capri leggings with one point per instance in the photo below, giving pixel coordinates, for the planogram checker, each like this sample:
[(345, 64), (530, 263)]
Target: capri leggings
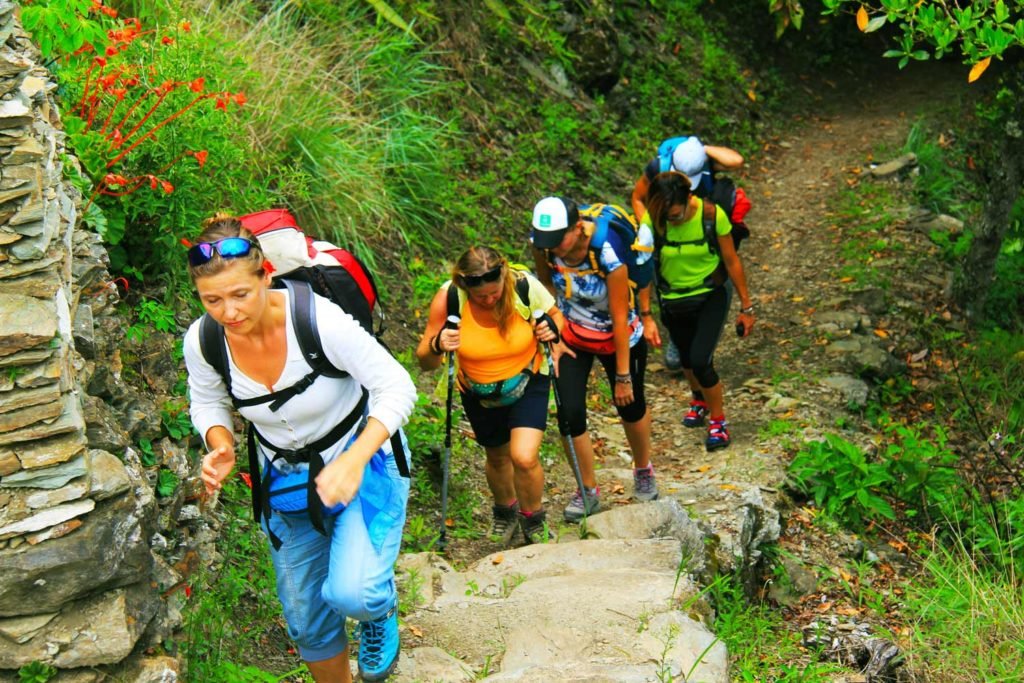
[(571, 385), (695, 325)]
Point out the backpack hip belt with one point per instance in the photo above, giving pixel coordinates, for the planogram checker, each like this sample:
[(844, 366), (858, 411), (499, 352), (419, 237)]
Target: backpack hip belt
[(311, 453)]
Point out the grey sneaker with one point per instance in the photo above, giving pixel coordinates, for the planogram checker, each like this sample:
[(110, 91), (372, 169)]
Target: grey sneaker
[(535, 528), (672, 359), (574, 510), (644, 486), (504, 526)]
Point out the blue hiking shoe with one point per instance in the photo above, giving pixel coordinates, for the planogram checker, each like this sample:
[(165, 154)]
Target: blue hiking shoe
[(718, 435), (672, 359), (695, 415), (378, 646)]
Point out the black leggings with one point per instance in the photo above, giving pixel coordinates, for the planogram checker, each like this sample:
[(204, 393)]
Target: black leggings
[(695, 325), (571, 385)]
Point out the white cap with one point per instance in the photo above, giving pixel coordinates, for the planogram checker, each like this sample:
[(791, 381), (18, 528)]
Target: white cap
[(690, 159), (552, 216)]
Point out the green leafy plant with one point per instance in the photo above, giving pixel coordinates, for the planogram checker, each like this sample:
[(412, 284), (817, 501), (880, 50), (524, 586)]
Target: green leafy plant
[(166, 483), (176, 421), (841, 479), (146, 454), (36, 672), (65, 26)]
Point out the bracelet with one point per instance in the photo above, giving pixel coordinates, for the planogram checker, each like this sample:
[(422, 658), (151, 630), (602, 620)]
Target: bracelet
[(748, 310), (646, 314), (623, 379), (435, 345)]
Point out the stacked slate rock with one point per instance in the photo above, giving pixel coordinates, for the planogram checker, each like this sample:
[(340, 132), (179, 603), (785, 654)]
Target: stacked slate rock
[(75, 565)]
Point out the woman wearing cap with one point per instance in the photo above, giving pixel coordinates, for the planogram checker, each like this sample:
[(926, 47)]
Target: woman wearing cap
[(502, 378), (692, 278), (699, 163), (602, 322), (343, 424)]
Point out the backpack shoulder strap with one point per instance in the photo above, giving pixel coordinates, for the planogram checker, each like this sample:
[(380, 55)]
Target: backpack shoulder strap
[(523, 289), (709, 221), (303, 312), (214, 348)]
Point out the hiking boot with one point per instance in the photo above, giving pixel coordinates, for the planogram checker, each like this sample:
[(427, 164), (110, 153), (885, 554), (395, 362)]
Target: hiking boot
[(504, 525), (378, 646), (644, 486), (695, 415), (718, 435), (574, 510), (672, 359), (535, 527)]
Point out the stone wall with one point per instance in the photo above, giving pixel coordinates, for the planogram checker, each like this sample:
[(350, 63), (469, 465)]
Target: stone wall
[(75, 522)]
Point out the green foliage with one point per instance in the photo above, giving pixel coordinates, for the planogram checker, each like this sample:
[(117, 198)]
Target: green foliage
[(842, 481), (63, 26), (760, 647), (166, 483), (151, 314), (36, 672), (146, 454), (232, 610), (175, 420), (977, 30), (969, 618), (939, 182)]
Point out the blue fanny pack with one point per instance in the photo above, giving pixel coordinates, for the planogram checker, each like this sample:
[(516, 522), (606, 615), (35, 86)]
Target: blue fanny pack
[(289, 493), (501, 393)]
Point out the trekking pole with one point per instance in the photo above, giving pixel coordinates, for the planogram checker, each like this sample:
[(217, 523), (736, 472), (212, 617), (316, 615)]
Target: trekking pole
[(539, 316), (442, 541)]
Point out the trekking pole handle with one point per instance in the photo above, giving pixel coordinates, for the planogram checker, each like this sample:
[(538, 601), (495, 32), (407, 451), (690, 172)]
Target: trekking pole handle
[(540, 316), (453, 322)]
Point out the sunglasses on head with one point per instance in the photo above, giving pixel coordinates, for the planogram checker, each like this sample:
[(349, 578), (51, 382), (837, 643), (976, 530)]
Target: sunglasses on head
[(229, 247), (492, 275)]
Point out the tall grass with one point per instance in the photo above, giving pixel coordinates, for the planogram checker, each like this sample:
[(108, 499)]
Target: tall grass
[(969, 619), (341, 100)]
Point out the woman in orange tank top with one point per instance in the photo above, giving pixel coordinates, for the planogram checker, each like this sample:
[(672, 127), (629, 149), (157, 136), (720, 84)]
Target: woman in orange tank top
[(502, 379)]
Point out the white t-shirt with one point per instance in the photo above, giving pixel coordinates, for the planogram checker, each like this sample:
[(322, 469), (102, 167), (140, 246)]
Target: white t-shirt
[(310, 415)]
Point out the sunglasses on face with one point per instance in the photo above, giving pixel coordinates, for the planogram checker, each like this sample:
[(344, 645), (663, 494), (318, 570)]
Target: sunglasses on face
[(229, 247), (492, 275)]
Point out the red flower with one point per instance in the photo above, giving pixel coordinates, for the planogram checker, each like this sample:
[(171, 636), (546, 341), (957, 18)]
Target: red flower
[(200, 157), (111, 51), (166, 187), (186, 26), (119, 93), (247, 478), (186, 242), (165, 87), (114, 179), (86, 47), (188, 591), (239, 98), (100, 61), (197, 85), (152, 182), (109, 11), (167, 40), (222, 103)]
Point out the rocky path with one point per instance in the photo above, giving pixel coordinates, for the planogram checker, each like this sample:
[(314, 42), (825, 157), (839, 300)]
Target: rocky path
[(623, 605)]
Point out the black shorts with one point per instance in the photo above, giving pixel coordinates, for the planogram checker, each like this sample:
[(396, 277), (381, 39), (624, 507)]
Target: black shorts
[(493, 426)]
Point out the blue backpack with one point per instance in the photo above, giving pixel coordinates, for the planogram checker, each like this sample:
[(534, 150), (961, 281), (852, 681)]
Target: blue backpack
[(634, 246)]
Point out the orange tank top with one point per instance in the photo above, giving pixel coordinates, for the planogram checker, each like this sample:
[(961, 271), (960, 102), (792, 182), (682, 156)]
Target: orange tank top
[(486, 356)]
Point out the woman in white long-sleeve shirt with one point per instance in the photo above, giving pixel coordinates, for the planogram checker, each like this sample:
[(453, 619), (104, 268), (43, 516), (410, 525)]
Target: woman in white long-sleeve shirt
[(343, 425)]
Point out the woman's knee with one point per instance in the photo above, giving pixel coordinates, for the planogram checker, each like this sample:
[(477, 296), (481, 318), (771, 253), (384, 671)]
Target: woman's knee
[(573, 418), (706, 375), (356, 600)]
